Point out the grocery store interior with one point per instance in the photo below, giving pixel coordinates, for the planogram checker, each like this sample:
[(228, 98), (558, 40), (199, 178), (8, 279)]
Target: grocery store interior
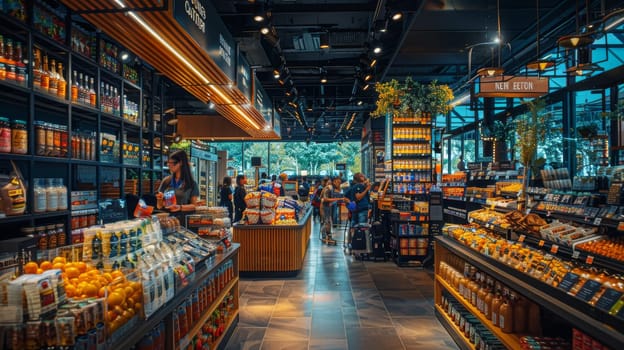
[(161, 165)]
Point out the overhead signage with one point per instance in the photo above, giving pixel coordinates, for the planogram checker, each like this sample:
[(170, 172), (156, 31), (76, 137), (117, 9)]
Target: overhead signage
[(203, 154), (262, 101), (201, 21), (243, 76), (512, 86)]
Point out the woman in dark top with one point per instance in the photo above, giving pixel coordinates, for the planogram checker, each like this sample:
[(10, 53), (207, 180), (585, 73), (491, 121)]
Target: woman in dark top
[(226, 196), (239, 197), (181, 182)]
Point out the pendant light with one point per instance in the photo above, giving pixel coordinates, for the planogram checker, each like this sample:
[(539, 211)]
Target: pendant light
[(577, 39), (494, 70), (580, 43), (540, 64)]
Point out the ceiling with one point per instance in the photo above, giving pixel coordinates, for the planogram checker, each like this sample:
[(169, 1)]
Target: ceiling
[(431, 42)]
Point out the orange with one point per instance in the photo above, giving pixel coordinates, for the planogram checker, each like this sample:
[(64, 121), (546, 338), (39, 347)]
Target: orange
[(59, 259), (90, 290), (72, 272), (138, 307), (58, 265), (130, 302), (46, 265), (31, 267), (114, 299), (111, 316), (129, 290), (116, 273), (81, 266), (70, 290), (39, 271), (108, 276), (104, 291)]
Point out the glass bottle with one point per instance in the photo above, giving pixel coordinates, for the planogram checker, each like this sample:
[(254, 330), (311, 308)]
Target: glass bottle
[(81, 88), (53, 87), (75, 88), (62, 83), (505, 316), (45, 75), (40, 138), (42, 237), (49, 145), (37, 72), (61, 237), (19, 137), (496, 303), (92, 94), (64, 141)]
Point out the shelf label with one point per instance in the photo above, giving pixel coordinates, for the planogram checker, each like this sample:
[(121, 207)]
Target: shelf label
[(597, 221), (569, 280), (554, 249), (541, 243), (521, 238), (588, 290), (575, 254), (589, 260), (608, 299)]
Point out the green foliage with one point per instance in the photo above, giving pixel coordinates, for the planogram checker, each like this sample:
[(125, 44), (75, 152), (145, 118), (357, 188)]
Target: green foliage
[(532, 128), (412, 96)]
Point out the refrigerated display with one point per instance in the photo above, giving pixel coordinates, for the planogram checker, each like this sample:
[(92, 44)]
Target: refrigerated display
[(204, 161)]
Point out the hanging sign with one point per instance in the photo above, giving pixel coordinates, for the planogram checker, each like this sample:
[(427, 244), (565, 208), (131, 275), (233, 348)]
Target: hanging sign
[(262, 101), (243, 76), (202, 22), (512, 86)]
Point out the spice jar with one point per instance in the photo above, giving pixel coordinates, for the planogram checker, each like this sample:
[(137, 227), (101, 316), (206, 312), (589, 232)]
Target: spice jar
[(19, 137), (5, 135), (61, 237), (42, 237), (52, 239)]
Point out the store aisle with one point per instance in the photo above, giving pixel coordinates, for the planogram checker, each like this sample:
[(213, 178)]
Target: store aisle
[(338, 302)]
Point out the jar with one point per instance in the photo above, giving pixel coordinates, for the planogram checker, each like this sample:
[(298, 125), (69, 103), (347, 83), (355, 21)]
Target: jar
[(11, 74), (83, 219), (40, 138), (21, 75), (64, 141), (56, 150), (42, 237), (62, 194), (19, 137), (5, 135), (61, 237), (52, 239), (40, 205), (49, 143), (75, 221), (92, 218)]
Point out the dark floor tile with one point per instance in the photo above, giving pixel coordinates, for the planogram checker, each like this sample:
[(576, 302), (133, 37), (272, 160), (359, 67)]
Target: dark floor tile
[(293, 307), (288, 328), (246, 338), (327, 325), (328, 344), (406, 303), (373, 338)]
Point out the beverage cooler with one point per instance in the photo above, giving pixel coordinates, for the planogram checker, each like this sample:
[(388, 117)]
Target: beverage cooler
[(204, 161)]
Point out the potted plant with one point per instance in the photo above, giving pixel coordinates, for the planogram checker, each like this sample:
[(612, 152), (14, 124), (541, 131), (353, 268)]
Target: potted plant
[(388, 96), (412, 96)]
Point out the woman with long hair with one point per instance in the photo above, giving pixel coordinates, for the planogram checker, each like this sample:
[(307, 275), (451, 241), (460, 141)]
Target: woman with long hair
[(239, 197), (180, 182), (226, 196)]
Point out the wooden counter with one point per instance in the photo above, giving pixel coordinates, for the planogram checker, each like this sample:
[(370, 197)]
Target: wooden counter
[(273, 250)]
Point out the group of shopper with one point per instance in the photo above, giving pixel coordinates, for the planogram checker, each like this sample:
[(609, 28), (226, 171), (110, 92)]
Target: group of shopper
[(356, 197)]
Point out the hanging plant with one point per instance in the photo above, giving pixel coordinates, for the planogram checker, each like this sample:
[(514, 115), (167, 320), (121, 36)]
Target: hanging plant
[(389, 94)]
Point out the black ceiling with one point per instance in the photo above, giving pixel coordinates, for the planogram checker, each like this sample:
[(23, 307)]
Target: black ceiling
[(430, 42)]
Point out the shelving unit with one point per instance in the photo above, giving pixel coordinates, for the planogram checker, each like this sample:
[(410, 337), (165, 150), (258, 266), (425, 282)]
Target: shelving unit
[(599, 326), (134, 122)]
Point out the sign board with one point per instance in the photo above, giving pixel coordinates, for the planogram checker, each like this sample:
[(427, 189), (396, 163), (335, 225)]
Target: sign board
[(512, 86), (262, 101), (243, 76), (203, 154), (202, 22), (112, 210), (341, 166)]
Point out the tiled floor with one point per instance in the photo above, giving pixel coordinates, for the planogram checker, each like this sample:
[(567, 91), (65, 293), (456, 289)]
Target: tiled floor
[(338, 302)]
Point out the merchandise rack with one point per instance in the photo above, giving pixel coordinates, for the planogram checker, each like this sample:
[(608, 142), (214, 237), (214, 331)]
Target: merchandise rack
[(594, 322)]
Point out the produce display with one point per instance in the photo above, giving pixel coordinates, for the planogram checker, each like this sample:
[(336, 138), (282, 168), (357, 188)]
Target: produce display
[(129, 270)]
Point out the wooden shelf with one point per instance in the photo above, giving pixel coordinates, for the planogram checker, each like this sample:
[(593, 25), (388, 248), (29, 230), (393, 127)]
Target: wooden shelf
[(511, 341), (453, 330), (185, 341)]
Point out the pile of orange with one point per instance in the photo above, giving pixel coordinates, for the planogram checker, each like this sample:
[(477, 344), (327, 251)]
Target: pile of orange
[(123, 298)]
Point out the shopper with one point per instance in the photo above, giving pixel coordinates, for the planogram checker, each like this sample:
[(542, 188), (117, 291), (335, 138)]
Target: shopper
[(330, 197), (180, 183), (359, 193), (239, 197), (226, 196), (315, 199), (461, 166)]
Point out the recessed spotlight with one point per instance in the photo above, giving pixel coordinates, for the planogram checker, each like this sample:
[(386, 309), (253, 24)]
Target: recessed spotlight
[(258, 18), (396, 15), (265, 30)]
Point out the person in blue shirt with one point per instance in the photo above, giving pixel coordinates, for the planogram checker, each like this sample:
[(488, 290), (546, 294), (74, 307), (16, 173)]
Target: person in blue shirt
[(359, 195)]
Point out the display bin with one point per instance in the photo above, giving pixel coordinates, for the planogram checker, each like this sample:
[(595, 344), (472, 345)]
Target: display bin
[(273, 250)]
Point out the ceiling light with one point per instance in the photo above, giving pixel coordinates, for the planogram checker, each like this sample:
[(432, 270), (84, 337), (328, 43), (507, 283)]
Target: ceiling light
[(360, 102), (365, 87), (584, 69), (368, 76), (276, 73), (124, 56), (258, 18), (265, 30), (540, 65), (323, 79), (396, 15), (377, 46), (211, 105), (324, 40), (575, 40)]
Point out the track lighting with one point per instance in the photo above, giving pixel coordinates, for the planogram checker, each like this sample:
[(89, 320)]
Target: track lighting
[(265, 30), (323, 76), (381, 26), (396, 15), (125, 56), (211, 105), (276, 73)]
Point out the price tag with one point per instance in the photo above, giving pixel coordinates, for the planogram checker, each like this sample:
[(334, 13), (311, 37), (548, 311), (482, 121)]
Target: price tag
[(575, 254), (597, 221), (554, 249), (528, 211), (589, 260), (521, 238), (541, 243), (548, 213)]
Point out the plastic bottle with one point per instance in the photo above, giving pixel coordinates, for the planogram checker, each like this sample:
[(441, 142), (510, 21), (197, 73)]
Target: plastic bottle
[(39, 189), (62, 194), (496, 303), (534, 319), (520, 309), (505, 316), (52, 197)]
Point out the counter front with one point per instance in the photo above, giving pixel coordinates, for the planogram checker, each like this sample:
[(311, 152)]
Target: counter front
[(273, 250)]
